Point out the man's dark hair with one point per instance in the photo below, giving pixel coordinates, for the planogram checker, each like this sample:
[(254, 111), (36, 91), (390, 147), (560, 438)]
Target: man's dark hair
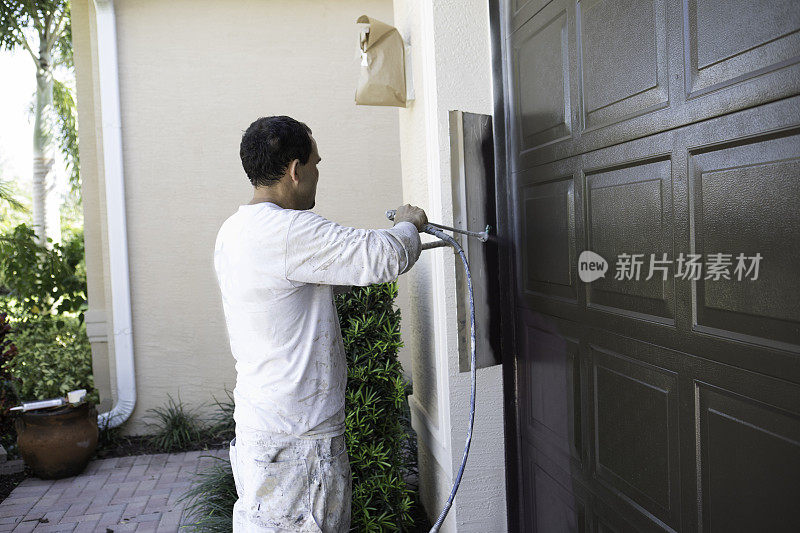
[(270, 144)]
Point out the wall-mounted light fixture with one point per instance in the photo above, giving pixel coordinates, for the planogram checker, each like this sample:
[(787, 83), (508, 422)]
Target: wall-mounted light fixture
[(384, 78)]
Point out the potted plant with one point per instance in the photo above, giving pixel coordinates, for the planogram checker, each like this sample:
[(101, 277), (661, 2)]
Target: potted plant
[(54, 358)]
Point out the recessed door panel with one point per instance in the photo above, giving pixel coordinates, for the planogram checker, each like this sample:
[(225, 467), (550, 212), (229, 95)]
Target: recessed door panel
[(623, 59), (737, 40), (548, 229), (747, 447), (745, 204), (541, 78), (630, 219), (635, 431), (552, 374)]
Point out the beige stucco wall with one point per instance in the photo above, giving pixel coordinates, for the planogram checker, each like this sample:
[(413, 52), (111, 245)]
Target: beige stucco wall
[(193, 75), (452, 71)]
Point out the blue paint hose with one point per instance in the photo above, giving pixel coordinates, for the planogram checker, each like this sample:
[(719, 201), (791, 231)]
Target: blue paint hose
[(446, 239), (431, 230)]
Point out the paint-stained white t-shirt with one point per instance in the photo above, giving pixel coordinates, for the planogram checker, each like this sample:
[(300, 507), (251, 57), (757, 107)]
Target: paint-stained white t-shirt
[(276, 269)]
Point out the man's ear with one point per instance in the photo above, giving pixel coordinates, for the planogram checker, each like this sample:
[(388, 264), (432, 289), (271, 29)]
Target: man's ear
[(292, 169)]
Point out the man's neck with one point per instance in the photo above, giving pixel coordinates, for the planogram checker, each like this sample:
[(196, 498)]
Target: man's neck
[(260, 199), (281, 202), (273, 196)]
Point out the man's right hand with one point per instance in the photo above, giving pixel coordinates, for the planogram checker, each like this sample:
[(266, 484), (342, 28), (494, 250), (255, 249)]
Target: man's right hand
[(410, 213)]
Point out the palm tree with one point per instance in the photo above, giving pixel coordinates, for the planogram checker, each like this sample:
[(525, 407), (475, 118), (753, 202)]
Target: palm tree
[(43, 29)]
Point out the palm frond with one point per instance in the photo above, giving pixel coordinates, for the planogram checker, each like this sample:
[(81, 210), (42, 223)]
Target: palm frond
[(67, 125), (7, 195)]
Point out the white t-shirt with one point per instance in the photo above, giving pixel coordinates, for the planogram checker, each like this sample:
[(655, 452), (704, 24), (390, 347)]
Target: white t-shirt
[(275, 268)]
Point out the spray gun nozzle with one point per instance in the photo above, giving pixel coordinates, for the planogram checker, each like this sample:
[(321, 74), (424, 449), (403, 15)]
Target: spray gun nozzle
[(483, 236)]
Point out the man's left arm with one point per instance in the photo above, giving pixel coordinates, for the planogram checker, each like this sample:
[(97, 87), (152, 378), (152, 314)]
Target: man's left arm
[(323, 252)]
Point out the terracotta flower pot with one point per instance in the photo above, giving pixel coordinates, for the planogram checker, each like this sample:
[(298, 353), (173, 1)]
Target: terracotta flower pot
[(57, 443)]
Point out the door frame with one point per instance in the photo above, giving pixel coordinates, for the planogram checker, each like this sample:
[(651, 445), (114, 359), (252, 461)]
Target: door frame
[(498, 24)]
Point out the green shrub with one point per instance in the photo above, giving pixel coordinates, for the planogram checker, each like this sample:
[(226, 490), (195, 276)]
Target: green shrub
[(222, 425), (379, 439), (175, 426), (8, 385), (376, 404), (210, 499), (44, 293), (53, 358), (36, 280)]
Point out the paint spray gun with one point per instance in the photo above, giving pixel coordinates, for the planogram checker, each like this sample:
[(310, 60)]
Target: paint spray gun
[(446, 240)]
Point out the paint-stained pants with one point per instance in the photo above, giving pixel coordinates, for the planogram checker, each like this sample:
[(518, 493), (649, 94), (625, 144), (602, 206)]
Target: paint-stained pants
[(290, 485)]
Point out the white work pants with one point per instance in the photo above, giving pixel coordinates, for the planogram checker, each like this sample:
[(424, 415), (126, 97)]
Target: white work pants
[(290, 484)]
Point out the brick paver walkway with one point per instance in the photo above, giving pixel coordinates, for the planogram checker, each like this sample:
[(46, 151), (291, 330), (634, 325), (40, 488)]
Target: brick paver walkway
[(136, 493)]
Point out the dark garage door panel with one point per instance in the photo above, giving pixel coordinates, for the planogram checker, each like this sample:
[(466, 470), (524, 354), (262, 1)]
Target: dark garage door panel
[(656, 127), (695, 189), (589, 74), (638, 437)]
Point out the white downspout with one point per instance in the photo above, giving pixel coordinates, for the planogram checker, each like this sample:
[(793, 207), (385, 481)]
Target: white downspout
[(108, 76)]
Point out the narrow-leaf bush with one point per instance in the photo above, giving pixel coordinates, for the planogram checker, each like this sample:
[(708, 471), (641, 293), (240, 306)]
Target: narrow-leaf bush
[(210, 499), (378, 437), (222, 425), (174, 426)]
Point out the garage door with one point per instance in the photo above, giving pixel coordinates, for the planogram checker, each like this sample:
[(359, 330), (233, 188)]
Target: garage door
[(663, 136)]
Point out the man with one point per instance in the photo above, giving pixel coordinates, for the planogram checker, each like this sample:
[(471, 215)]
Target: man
[(276, 264)]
